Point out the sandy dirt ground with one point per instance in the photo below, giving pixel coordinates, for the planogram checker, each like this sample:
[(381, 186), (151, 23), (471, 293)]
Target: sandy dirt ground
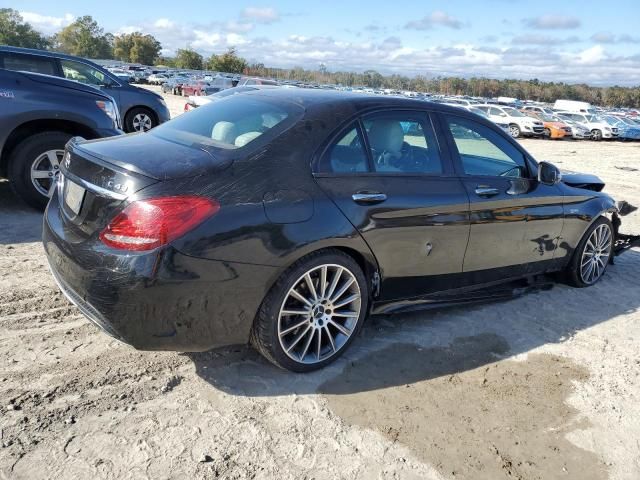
[(545, 386)]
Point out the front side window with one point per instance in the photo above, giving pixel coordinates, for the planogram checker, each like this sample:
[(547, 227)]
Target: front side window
[(483, 151), (83, 73), (29, 63), (403, 143)]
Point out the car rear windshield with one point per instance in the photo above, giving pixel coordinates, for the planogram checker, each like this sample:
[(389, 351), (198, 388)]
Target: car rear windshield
[(232, 122)]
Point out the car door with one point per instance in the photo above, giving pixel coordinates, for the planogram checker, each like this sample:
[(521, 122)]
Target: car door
[(84, 73), (515, 221), (393, 179)]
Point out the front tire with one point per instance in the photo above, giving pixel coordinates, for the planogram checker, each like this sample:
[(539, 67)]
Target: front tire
[(514, 130), (592, 255), (596, 135), (34, 165), (313, 312), (139, 120)]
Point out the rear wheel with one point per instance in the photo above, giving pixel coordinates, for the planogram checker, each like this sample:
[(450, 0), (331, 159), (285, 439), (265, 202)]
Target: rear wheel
[(34, 165), (592, 255), (313, 312), (514, 130)]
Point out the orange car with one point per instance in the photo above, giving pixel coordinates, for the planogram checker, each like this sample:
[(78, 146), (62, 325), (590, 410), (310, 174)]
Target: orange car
[(552, 127)]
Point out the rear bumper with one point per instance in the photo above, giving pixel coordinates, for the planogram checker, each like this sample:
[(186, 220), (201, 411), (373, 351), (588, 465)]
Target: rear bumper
[(161, 300)]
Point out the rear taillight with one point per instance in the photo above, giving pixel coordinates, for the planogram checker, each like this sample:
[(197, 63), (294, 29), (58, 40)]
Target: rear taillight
[(148, 224)]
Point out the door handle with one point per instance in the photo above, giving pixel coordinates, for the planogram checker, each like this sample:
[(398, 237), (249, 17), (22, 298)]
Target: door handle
[(369, 197), (485, 191)]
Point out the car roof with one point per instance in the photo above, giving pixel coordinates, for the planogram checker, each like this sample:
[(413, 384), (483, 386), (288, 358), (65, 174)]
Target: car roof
[(42, 53), (333, 98)]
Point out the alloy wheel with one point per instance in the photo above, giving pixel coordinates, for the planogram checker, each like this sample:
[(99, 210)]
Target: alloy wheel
[(142, 122), (319, 314), (515, 131), (44, 170), (595, 254)]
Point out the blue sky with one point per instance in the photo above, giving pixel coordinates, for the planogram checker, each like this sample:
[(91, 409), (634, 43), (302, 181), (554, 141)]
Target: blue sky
[(578, 41)]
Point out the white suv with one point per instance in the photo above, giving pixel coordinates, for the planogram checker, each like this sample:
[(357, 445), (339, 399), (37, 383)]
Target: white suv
[(599, 128), (519, 123)]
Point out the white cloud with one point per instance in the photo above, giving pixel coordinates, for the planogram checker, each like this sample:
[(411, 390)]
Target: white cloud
[(552, 22), (437, 17), (261, 15), (46, 24), (592, 55), (164, 23)]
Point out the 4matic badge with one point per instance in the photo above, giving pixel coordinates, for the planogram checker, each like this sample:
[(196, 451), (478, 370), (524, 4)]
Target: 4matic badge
[(6, 94)]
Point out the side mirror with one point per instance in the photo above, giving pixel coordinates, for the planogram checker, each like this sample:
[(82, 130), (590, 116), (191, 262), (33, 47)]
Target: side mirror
[(548, 174)]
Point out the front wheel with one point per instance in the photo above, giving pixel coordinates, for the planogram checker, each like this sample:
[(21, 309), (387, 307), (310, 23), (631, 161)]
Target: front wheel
[(592, 255), (313, 312), (514, 130), (596, 135), (139, 120)]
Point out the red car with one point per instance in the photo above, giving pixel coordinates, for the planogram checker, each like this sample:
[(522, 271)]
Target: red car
[(199, 87)]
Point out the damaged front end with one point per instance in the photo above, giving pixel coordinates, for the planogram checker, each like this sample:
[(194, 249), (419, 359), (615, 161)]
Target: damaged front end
[(623, 241)]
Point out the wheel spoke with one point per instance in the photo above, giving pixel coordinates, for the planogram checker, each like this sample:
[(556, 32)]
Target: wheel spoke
[(335, 281), (40, 174), (299, 297), (52, 156), (346, 301), (343, 289), (323, 280), (319, 351), (310, 286), (345, 314), (342, 329), (306, 345), (298, 338), (333, 345), (294, 311), (293, 327)]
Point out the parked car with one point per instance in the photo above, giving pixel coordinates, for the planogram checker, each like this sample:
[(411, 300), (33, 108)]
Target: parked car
[(579, 131), (598, 127), (141, 109), (197, 87), (482, 113), (627, 130), (157, 78), (174, 85), (38, 115), (286, 222), (248, 81), (519, 123), (553, 127), (196, 101), (537, 109)]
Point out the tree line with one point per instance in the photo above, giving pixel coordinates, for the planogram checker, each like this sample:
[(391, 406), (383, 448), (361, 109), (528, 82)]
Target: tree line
[(85, 38)]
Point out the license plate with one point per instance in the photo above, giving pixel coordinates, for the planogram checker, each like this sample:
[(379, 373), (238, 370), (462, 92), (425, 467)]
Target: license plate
[(73, 196)]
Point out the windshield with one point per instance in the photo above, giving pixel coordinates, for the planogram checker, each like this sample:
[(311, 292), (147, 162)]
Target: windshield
[(230, 123), (512, 112), (548, 118)]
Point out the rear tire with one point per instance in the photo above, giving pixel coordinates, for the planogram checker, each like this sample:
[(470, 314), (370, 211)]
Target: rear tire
[(324, 328), (592, 255), (22, 160)]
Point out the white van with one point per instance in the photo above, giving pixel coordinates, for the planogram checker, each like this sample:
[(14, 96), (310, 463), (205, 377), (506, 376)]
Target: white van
[(573, 106)]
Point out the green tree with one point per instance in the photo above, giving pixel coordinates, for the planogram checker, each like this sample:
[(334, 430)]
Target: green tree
[(136, 48), (85, 38), (188, 58), (16, 32), (228, 62)]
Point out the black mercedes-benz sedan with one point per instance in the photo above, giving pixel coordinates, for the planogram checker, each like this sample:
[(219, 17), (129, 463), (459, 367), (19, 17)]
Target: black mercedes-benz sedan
[(284, 217)]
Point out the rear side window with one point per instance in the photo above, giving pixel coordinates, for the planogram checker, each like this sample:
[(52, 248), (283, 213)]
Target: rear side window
[(231, 122), (403, 142), (29, 63), (347, 154)]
